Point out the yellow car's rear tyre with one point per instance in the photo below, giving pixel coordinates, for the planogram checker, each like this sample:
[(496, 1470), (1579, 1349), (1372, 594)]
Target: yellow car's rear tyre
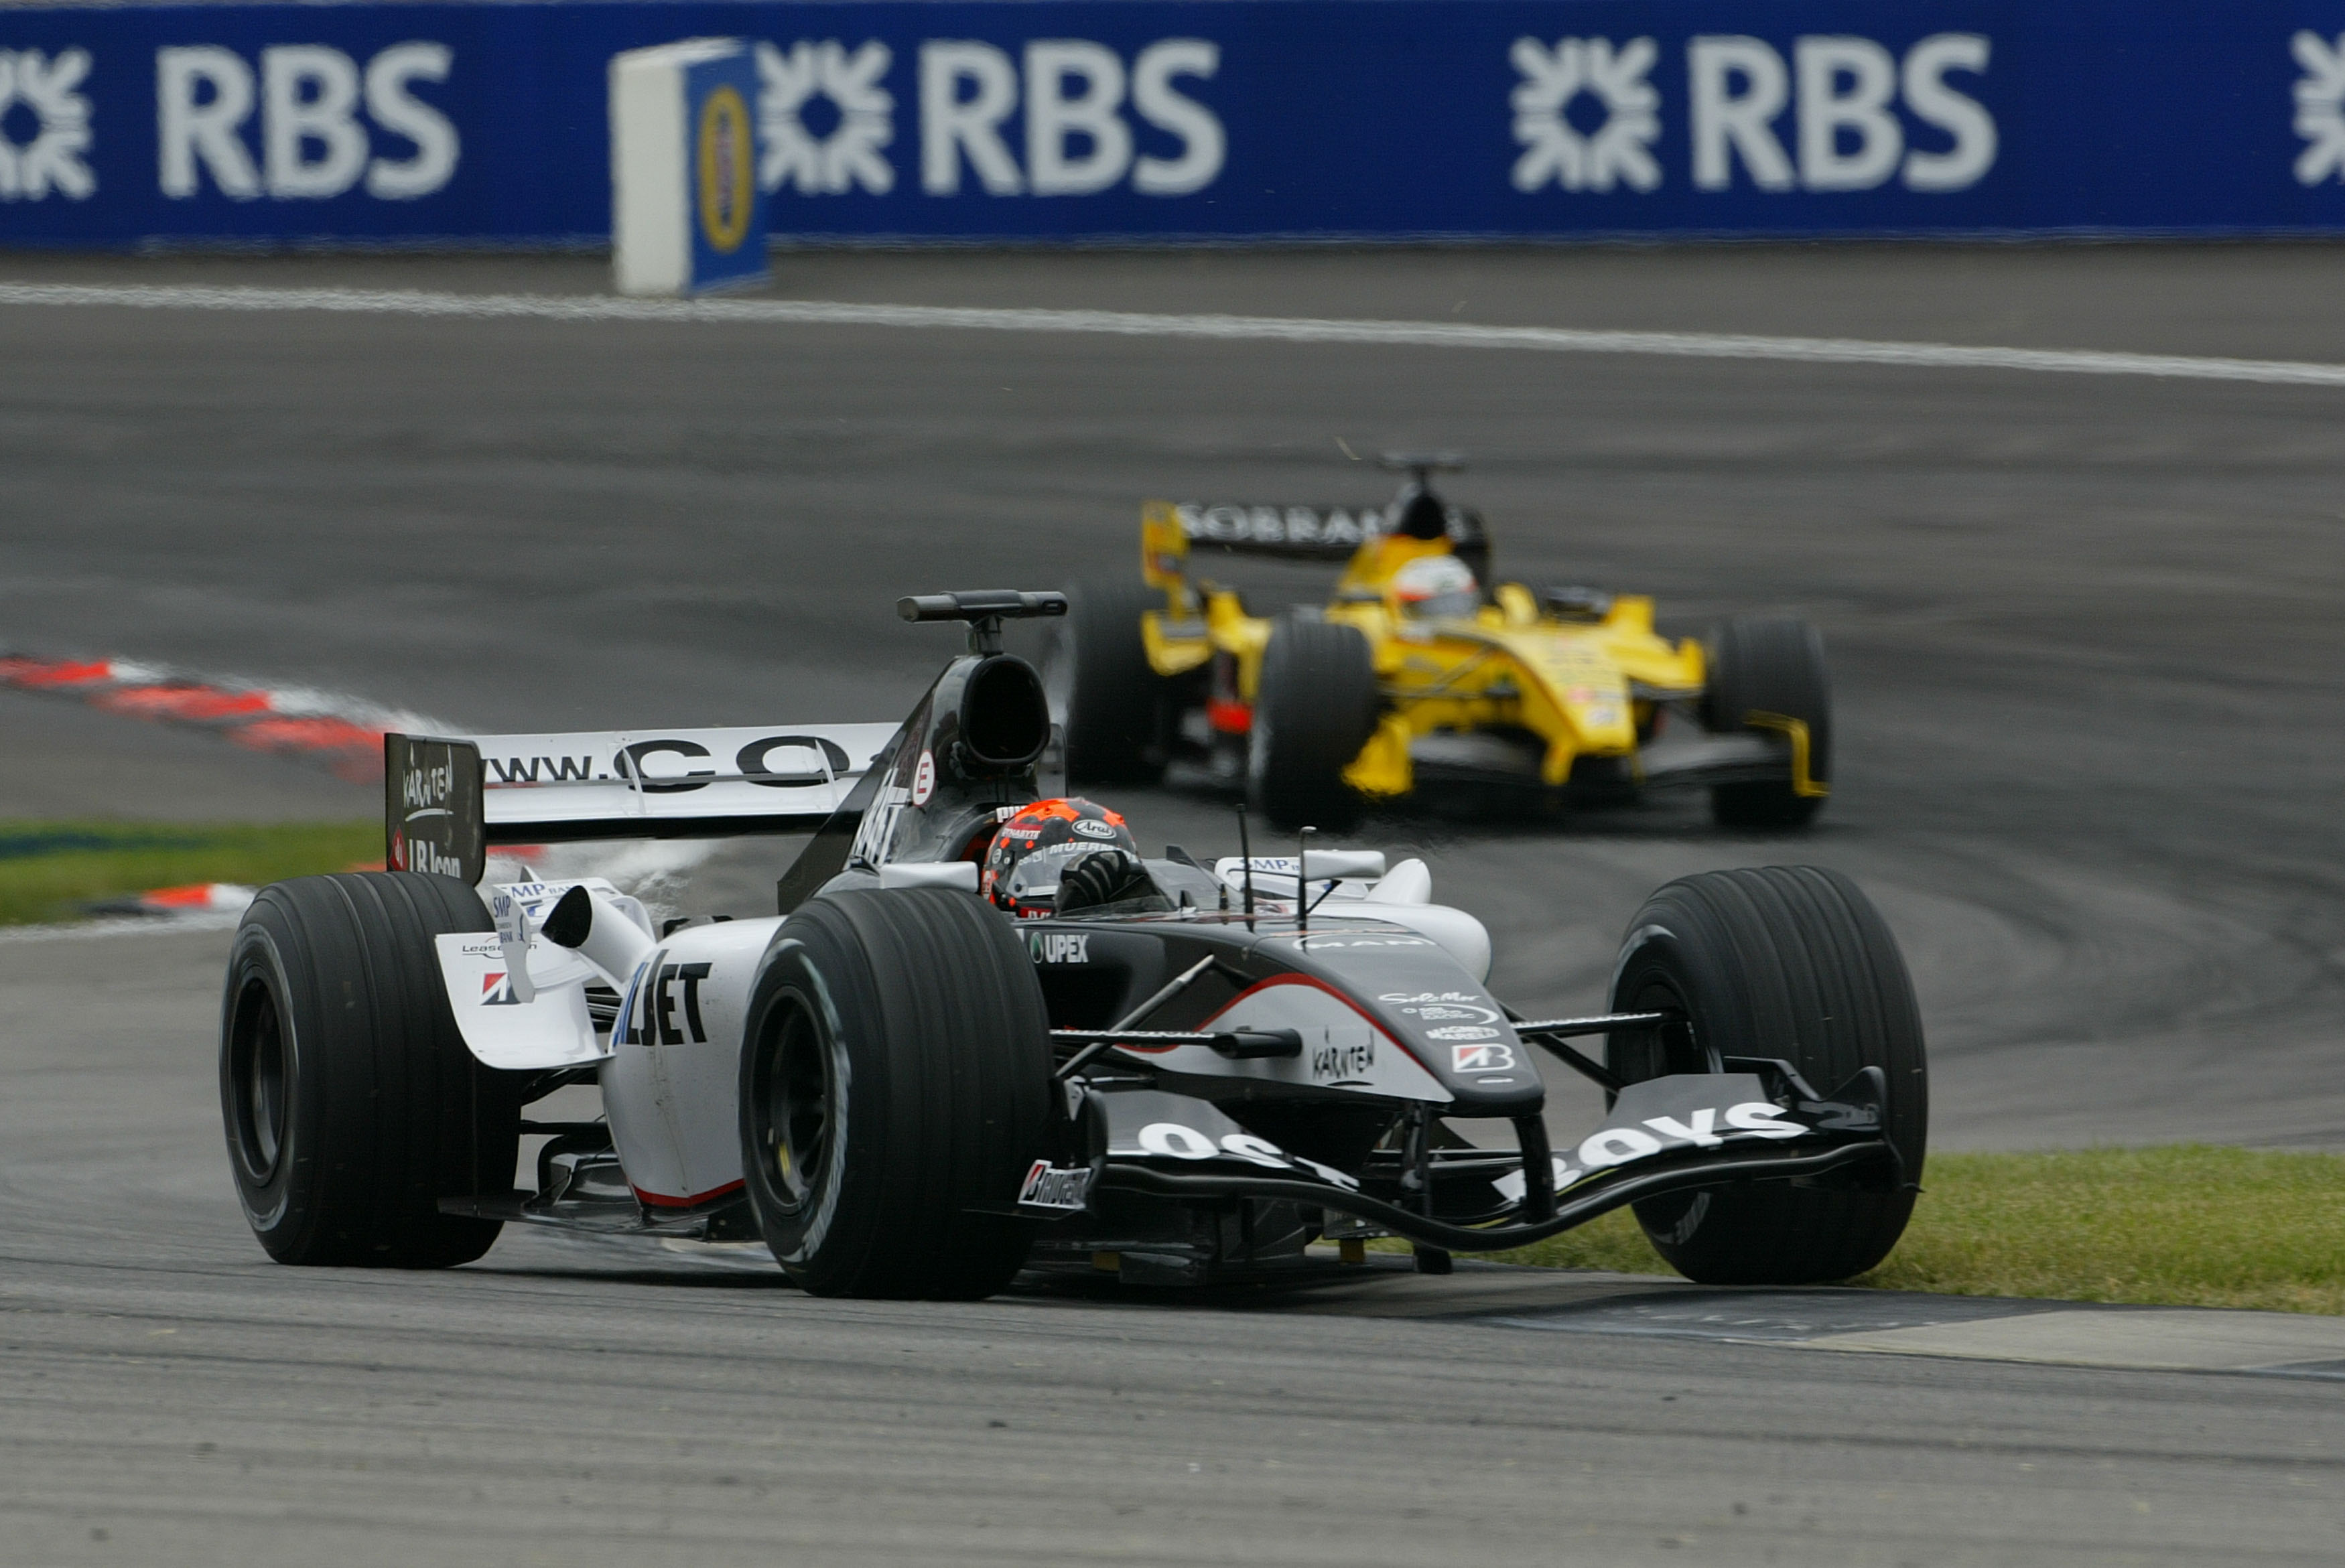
[(1314, 708), (1767, 673), (1116, 708)]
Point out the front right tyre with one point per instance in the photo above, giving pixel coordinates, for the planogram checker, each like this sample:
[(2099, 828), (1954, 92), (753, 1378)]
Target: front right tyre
[(1314, 708), (1792, 962), (1767, 673)]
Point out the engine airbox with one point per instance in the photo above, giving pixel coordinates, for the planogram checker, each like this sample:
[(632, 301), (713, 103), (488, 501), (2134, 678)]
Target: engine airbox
[(1005, 718)]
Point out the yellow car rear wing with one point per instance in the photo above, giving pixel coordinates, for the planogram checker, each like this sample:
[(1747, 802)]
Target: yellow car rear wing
[(1168, 530)]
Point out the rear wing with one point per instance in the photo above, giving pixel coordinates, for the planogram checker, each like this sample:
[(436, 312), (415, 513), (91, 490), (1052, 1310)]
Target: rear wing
[(448, 799), (1295, 533), (1170, 530)]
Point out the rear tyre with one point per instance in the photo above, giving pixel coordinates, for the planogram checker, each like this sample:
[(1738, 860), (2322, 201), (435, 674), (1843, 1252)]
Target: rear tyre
[(1765, 669), (1314, 707), (894, 1072), (1116, 708), (1793, 963), (352, 1104)]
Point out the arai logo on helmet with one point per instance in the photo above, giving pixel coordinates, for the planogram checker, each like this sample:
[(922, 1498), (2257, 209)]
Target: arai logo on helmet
[(1092, 827)]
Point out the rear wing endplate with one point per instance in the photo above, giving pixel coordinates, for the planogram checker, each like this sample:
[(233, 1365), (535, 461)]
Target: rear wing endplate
[(448, 799)]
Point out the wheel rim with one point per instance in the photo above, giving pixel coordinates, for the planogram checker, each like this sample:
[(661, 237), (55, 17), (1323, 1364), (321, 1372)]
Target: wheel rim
[(257, 1077), (795, 1108), (1656, 1053)]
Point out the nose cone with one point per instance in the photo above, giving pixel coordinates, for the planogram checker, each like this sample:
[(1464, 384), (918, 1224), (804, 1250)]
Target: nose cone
[(1440, 1014)]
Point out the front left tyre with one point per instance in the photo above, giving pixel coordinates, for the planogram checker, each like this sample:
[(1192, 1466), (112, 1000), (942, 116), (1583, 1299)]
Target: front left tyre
[(895, 1090), (350, 1103)]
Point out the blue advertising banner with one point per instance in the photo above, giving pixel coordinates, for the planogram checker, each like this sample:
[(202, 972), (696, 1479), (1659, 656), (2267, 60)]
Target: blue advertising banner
[(1094, 120)]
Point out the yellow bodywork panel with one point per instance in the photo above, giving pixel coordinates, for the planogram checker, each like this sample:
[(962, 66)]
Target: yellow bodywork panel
[(1163, 546), (1174, 648), (1583, 686), (1383, 767)]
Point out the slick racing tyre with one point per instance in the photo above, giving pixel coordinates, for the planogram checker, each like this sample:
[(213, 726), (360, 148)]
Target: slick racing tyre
[(1792, 962), (1116, 708), (1314, 707), (352, 1104), (1767, 673), (895, 1075)]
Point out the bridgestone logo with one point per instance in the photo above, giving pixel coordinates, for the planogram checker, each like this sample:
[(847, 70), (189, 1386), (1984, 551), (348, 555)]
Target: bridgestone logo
[(1048, 1186)]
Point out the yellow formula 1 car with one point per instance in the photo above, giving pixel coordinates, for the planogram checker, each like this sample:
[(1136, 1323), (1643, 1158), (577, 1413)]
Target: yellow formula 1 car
[(1421, 676)]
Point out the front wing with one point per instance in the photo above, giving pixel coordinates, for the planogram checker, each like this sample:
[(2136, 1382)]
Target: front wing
[(1664, 1135)]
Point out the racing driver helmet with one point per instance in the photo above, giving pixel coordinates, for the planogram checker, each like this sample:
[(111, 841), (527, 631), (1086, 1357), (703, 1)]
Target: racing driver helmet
[(1436, 586), (1033, 850)]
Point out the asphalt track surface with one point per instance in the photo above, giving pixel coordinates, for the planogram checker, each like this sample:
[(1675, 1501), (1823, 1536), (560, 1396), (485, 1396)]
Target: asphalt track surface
[(2087, 649)]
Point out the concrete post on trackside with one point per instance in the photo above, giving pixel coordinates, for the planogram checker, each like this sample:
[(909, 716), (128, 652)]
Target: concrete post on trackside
[(686, 214)]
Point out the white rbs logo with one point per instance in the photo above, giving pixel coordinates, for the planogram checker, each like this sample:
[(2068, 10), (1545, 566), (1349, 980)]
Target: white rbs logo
[(1846, 130), (54, 158), (1076, 104), (313, 143), (853, 153), (2319, 107)]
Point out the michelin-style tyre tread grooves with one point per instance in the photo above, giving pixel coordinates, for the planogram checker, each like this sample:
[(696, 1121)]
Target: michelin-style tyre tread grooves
[(948, 1092), (1314, 708), (387, 1111), (1115, 717), (1771, 664), (1789, 962)]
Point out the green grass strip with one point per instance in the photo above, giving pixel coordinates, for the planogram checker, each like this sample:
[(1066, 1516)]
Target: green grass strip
[(54, 870), (2187, 1225)]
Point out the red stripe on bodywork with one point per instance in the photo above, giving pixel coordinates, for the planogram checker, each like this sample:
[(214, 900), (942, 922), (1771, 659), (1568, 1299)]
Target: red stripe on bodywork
[(662, 1201), (1292, 978)]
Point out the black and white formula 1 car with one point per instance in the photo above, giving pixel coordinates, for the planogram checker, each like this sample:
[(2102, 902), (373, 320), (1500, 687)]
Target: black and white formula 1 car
[(1179, 1070)]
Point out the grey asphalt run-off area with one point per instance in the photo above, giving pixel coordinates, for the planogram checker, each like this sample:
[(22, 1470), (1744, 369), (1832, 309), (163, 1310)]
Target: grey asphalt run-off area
[(2086, 642)]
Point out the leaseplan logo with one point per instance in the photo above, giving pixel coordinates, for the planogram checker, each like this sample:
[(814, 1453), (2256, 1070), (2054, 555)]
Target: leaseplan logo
[(496, 991)]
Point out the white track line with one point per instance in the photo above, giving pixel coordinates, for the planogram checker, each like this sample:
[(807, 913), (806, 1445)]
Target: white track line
[(1222, 328)]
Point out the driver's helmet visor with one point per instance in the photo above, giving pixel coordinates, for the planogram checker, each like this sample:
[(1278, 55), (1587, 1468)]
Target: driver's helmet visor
[(1035, 877), (1437, 587), (1443, 606)]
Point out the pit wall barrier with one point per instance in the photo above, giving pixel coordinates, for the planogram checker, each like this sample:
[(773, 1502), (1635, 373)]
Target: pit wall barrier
[(1224, 120)]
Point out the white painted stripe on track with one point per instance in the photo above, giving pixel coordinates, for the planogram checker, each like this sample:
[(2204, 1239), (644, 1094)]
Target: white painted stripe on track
[(1208, 328)]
